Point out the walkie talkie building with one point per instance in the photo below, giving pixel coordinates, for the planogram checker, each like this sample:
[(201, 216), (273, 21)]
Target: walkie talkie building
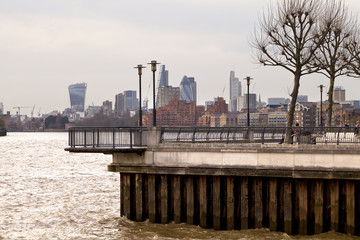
[(77, 94)]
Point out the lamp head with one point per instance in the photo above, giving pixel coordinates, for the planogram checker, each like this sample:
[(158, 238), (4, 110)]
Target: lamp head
[(153, 65), (140, 67), (248, 80)]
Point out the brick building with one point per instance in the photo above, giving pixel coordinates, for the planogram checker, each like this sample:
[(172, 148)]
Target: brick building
[(219, 107), (211, 118), (176, 113)]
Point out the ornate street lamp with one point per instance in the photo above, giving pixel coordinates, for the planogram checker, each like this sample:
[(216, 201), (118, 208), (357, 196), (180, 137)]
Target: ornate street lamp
[(139, 68), (321, 111), (248, 99), (153, 69)]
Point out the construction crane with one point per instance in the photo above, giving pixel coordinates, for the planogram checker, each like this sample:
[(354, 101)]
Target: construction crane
[(32, 111), (18, 112)]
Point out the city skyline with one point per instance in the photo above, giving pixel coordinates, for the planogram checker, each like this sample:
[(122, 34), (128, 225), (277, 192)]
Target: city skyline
[(47, 46)]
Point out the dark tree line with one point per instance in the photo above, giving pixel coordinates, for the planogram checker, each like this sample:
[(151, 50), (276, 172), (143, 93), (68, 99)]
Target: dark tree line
[(305, 37), (56, 122)]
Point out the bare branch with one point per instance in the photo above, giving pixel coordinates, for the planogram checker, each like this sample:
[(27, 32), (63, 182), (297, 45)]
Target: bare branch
[(288, 36)]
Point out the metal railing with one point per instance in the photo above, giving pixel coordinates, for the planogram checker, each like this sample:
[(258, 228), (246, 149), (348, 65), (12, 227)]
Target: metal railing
[(107, 137), (221, 134), (115, 137), (300, 135)]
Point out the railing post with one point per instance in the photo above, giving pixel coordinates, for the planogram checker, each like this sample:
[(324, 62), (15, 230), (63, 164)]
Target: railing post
[(227, 138), (84, 137), (140, 132), (162, 135), (193, 137), (338, 137), (70, 137), (73, 139), (113, 137), (98, 137), (93, 137), (263, 136), (131, 138), (178, 136)]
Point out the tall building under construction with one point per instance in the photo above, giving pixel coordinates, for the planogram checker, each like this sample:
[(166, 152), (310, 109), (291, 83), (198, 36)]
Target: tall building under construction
[(163, 81), (235, 91), (77, 94)]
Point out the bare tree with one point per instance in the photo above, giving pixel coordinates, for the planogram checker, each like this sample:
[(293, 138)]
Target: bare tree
[(354, 49), (333, 57), (288, 36)]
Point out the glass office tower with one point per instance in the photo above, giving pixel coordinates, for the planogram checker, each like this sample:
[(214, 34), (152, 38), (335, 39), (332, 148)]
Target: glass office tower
[(77, 94)]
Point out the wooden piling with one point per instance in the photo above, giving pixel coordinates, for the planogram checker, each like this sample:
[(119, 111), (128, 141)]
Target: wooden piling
[(301, 206), (244, 199), (139, 197), (333, 188), (287, 194), (216, 203), (177, 198), (164, 199), (273, 204), (230, 203), (257, 193), (152, 198), (190, 199), (203, 201), (127, 196), (350, 207), (357, 208), (122, 191), (318, 206)]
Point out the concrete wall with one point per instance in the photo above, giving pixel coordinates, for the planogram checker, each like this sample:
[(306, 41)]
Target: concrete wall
[(256, 156)]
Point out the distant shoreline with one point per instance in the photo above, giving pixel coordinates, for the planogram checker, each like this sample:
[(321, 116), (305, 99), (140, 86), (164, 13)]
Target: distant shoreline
[(46, 130)]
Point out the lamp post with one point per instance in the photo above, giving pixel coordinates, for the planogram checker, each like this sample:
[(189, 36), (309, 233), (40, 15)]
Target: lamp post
[(153, 69), (139, 68), (321, 117), (248, 99)]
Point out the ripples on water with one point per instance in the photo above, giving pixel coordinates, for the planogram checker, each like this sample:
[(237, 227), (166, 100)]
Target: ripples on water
[(47, 193)]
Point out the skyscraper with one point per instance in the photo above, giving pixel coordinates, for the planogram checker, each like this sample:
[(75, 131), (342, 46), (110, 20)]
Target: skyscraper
[(1, 108), (166, 94), (125, 102), (242, 102), (107, 107), (339, 94), (188, 89), (193, 87), (130, 100), (77, 94), (235, 91), (119, 104), (302, 98), (163, 81)]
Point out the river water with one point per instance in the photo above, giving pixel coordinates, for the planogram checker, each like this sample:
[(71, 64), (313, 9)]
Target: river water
[(48, 193)]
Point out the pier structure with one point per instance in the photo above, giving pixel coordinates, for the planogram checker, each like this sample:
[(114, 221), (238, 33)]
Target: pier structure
[(232, 178)]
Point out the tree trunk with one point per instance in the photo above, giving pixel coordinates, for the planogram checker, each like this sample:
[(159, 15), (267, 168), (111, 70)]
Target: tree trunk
[(330, 102), (290, 114)]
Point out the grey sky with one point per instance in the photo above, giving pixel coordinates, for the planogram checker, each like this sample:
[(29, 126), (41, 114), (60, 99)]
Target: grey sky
[(46, 45)]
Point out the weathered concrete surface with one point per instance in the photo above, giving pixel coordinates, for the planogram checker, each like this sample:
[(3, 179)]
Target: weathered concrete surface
[(255, 155), (300, 161)]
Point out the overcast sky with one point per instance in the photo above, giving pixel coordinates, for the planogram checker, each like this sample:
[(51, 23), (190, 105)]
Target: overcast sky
[(46, 45)]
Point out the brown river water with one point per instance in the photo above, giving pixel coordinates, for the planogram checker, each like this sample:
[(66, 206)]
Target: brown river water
[(48, 193)]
